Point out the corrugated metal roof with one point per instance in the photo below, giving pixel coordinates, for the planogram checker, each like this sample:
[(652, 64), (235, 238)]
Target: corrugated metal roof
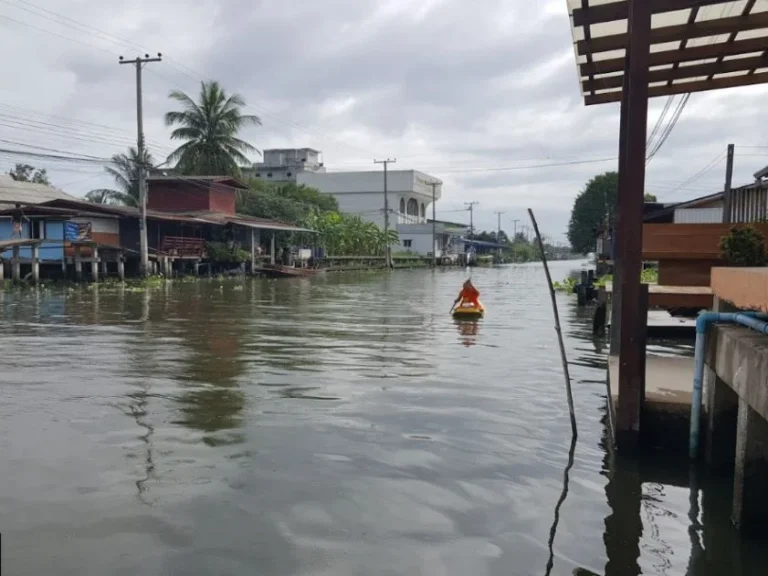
[(193, 217), (197, 179), (14, 192)]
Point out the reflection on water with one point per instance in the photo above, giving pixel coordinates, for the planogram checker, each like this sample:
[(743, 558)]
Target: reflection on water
[(336, 425), (468, 330)]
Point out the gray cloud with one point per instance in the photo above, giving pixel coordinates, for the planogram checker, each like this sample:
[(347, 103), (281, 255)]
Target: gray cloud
[(443, 85)]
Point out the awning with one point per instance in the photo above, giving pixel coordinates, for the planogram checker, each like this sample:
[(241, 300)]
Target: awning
[(696, 45)]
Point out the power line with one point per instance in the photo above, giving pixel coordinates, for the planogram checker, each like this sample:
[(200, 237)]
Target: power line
[(87, 159), (708, 167), (69, 123), (71, 23), (659, 121), (668, 130), (530, 167)]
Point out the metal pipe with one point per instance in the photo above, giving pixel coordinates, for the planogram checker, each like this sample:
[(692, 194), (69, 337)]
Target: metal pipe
[(751, 320)]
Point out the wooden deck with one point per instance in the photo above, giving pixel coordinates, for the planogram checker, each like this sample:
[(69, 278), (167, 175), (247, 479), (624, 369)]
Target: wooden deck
[(661, 296)]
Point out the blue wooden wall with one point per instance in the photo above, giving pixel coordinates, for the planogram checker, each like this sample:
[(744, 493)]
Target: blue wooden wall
[(52, 249)]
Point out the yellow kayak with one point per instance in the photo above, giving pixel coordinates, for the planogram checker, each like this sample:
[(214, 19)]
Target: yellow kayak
[(468, 310)]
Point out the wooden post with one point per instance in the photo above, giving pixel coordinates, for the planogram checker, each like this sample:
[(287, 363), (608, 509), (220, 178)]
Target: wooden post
[(727, 193), (631, 199), (16, 265), (121, 267), (272, 250), (36, 263), (95, 263), (103, 268), (78, 264), (253, 251)]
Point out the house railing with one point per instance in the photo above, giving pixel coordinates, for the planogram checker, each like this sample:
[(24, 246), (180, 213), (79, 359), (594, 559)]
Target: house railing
[(182, 247)]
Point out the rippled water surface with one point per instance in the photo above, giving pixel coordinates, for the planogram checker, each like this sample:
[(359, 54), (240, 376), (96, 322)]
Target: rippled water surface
[(339, 425)]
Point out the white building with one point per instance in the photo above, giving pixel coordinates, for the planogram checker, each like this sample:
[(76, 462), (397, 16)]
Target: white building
[(284, 164), (417, 238), (409, 193)]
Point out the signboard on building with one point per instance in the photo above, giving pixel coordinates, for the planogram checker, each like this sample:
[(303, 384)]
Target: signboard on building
[(77, 231)]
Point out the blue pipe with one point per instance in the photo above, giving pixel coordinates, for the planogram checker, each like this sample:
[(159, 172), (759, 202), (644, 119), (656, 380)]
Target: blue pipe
[(751, 320)]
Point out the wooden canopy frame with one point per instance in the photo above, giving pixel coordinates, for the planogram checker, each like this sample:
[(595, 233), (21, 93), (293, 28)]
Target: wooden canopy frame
[(696, 45), (630, 51)]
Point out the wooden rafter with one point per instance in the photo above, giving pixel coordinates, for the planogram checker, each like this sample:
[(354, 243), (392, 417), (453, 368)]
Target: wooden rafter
[(685, 87), (679, 32), (692, 54), (619, 10), (670, 74)]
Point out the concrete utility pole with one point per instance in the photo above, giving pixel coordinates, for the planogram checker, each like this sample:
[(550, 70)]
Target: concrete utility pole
[(138, 62), (727, 189), (498, 229), (434, 235), (514, 235), (388, 251), (471, 207)]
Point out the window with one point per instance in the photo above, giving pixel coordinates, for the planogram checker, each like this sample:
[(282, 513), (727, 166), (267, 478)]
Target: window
[(407, 243), (258, 174), (37, 229), (289, 174), (402, 205), (413, 207), (269, 174), (423, 210)]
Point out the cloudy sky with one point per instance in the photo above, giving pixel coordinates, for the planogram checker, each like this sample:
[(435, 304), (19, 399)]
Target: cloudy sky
[(473, 92)]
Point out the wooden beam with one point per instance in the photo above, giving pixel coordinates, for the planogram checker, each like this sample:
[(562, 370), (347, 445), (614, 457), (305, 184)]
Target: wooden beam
[(684, 87), (679, 32), (630, 200), (620, 10), (669, 74), (675, 56)]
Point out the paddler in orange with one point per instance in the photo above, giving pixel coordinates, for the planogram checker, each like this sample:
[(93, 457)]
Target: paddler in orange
[(468, 294)]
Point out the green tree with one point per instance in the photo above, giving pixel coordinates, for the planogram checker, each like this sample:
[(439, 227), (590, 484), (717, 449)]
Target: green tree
[(27, 173), (650, 197), (209, 130), (125, 172), (595, 207), (288, 202)]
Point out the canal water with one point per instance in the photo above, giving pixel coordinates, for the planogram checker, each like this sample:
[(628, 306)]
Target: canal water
[(339, 425)]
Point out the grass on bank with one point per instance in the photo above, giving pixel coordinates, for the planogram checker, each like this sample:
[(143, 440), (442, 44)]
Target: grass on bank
[(647, 276)]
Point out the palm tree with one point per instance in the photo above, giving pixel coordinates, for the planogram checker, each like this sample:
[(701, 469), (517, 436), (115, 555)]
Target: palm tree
[(125, 171), (209, 130)]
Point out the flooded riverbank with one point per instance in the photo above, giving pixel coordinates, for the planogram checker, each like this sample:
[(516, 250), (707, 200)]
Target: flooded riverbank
[(343, 424)]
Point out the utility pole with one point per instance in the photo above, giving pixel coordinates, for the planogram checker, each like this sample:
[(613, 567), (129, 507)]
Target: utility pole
[(727, 189), (498, 229), (514, 235), (434, 235), (471, 206), (138, 62), (388, 250)]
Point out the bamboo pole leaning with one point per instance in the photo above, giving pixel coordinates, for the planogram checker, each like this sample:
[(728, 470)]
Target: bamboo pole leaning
[(563, 357)]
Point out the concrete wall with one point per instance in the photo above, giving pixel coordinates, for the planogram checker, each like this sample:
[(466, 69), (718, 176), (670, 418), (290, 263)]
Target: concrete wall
[(737, 418), (744, 288)]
